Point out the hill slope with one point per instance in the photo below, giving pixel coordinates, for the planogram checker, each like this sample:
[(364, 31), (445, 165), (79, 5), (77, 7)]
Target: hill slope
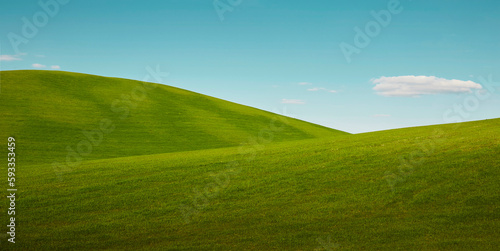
[(55, 115), (424, 188)]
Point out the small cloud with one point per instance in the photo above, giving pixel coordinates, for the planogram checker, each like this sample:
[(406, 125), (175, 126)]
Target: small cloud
[(293, 101), (315, 89), (55, 67), (381, 115), (9, 58), (304, 83), (40, 56), (414, 86), (38, 65)]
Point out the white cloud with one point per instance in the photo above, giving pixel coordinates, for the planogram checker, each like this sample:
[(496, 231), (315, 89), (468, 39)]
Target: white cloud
[(381, 115), (304, 83), (321, 89), (56, 67), (38, 65), (413, 86), (40, 56), (9, 58), (293, 101)]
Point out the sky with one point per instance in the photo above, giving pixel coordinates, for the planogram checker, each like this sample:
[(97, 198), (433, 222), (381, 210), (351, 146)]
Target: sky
[(356, 66)]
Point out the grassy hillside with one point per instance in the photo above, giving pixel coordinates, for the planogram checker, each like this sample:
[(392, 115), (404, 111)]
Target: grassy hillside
[(425, 188), (56, 115)]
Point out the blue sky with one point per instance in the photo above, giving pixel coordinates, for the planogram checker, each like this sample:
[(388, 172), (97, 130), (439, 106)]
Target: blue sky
[(422, 63)]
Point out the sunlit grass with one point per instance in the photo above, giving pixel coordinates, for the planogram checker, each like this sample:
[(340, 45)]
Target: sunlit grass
[(283, 197), (185, 171)]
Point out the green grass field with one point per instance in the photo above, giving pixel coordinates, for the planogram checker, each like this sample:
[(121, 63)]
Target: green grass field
[(257, 181), (50, 111)]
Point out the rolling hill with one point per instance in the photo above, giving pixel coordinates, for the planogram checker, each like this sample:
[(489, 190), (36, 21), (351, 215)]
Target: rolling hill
[(426, 188), (297, 186), (57, 114)]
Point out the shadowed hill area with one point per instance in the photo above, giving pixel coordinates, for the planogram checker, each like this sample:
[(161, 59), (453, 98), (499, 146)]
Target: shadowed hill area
[(56, 114)]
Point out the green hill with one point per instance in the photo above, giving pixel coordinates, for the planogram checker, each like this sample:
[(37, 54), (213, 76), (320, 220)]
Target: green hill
[(52, 112), (422, 188), (426, 188)]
